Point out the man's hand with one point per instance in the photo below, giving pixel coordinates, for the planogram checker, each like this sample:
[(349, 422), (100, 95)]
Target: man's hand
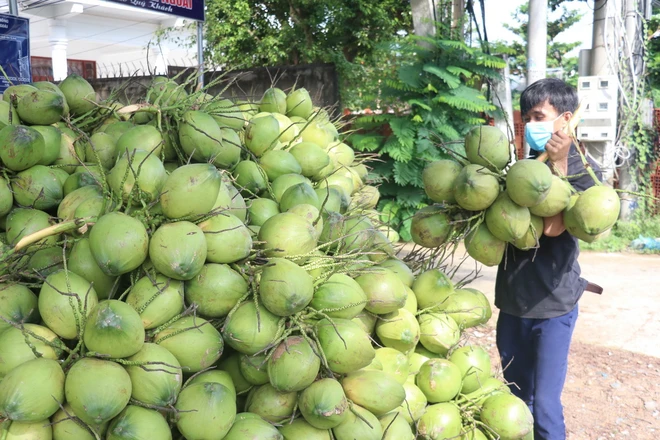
[(558, 147)]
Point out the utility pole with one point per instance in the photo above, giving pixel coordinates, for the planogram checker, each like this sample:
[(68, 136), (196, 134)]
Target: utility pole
[(602, 41), (457, 14), (537, 40), (13, 7), (502, 99)]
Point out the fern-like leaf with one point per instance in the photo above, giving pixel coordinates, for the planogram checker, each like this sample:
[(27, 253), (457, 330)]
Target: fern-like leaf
[(452, 81)]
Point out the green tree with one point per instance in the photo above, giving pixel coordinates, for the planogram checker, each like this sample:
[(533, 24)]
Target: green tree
[(248, 33), (556, 51)]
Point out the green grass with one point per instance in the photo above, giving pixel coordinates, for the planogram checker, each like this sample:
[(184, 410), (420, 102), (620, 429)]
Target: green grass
[(624, 233)]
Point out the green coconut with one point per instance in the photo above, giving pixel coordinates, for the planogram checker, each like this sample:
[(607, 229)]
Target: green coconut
[(18, 90), (137, 423), (206, 411), (488, 146), (346, 346), (32, 392), (21, 147), (366, 198), (484, 247), (83, 176), (140, 137), (60, 311), (250, 177), (507, 416), (596, 209), (440, 421), (293, 365), (82, 262), (40, 430), (311, 157), (194, 342), (400, 269), (226, 113), (398, 330), (284, 182), (317, 133), (299, 103), (339, 297), (556, 200), (227, 239), (261, 134), (393, 362), (288, 130), (253, 427), (255, 369), (41, 107), (271, 404), (216, 376), (468, 307), (159, 382), (18, 346), (164, 91), (72, 152), (298, 194), (37, 187), (21, 222), (440, 380), (285, 288), (262, 209), (114, 329), (138, 175), (52, 141), (273, 101), (76, 198), (178, 250), (385, 291), (157, 299), (18, 304), (414, 406), (439, 179), (341, 154), (323, 404), (395, 427), (80, 95), (6, 197), (432, 288), (411, 301), (474, 364), (202, 138), (430, 227), (507, 220), (215, 290), (231, 366), (117, 128), (119, 243), (438, 332), (300, 429), (374, 390), (287, 235), (359, 423), (190, 190), (249, 333), (97, 390), (8, 115), (476, 188), (531, 238), (528, 182), (65, 427), (276, 163)]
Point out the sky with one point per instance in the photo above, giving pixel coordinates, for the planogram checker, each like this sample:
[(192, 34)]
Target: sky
[(500, 11)]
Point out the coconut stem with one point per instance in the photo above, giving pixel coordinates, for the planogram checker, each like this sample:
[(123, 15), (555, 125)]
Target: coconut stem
[(50, 231)]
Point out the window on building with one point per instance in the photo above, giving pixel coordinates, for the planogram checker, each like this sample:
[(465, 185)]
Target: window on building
[(42, 68)]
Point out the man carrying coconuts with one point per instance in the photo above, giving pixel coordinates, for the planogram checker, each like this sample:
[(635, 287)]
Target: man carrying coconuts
[(537, 290)]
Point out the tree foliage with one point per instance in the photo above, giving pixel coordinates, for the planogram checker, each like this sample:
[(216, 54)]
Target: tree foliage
[(248, 33), (436, 97), (556, 51)]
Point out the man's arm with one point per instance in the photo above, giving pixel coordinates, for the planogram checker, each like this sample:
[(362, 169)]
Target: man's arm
[(557, 147)]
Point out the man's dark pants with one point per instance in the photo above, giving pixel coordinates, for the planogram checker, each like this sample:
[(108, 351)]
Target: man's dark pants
[(534, 356)]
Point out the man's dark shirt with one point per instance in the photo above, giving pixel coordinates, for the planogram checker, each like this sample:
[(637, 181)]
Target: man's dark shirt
[(545, 282)]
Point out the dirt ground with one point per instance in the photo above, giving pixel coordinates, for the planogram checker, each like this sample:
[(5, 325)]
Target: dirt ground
[(613, 385)]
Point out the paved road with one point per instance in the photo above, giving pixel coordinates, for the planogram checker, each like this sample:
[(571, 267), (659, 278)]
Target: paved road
[(626, 316)]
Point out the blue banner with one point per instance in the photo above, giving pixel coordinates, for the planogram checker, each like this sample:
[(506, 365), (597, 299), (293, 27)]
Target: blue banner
[(192, 9), (14, 51)]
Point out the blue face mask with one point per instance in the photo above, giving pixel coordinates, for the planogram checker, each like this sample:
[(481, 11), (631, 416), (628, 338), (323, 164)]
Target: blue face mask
[(537, 134)]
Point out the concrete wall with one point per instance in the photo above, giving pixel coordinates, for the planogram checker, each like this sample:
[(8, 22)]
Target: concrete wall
[(320, 80)]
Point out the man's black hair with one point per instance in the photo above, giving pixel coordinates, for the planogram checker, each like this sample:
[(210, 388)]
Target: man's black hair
[(560, 95)]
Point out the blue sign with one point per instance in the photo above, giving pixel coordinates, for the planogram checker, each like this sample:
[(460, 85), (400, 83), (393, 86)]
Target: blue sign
[(14, 51), (192, 9)]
